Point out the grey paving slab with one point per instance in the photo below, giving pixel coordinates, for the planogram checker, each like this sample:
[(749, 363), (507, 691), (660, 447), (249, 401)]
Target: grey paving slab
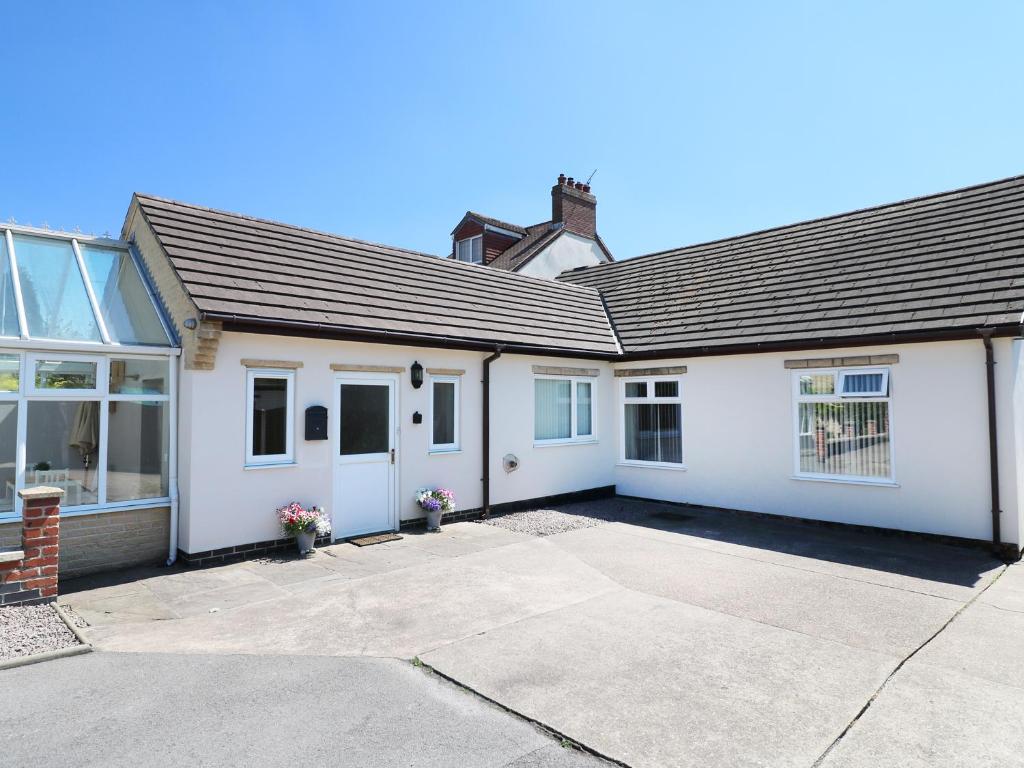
[(127, 608), (928, 716), (396, 614), (984, 642), (957, 573), (226, 598), (825, 605), (286, 572), (654, 682), (141, 710), (1008, 592), (178, 585)]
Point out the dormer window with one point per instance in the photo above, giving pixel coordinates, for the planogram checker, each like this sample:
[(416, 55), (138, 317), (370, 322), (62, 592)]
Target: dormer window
[(471, 250)]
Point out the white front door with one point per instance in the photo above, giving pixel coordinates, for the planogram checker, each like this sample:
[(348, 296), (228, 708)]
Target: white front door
[(364, 454)]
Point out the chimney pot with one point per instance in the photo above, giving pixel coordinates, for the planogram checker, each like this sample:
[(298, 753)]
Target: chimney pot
[(579, 185), (561, 178), (586, 188), (571, 182)]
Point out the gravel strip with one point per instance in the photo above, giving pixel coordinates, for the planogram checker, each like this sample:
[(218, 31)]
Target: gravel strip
[(570, 517), (28, 629)]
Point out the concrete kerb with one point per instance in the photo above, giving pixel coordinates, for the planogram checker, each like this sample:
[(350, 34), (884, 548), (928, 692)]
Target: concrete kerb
[(35, 658), (61, 653), (565, 740)]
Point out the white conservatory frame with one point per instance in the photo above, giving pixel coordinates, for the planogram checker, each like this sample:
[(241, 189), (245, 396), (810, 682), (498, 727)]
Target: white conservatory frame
[(30, 349)]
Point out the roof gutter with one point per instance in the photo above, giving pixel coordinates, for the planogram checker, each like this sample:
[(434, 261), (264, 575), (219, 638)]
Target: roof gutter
[(993, 441), (485, 453), (749, 348), (248, 324)]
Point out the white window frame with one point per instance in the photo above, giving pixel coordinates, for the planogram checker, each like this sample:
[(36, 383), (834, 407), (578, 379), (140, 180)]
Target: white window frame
[(456, 414), (574, 438), (276, 459), (650, 398), (838, 397), (470, 240), (27, 393)]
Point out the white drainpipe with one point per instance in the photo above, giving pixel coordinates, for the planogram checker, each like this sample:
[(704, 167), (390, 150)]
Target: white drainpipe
[(172, 462)]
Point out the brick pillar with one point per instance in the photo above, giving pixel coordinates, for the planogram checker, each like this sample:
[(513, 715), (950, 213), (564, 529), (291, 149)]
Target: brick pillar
[(32, 577)]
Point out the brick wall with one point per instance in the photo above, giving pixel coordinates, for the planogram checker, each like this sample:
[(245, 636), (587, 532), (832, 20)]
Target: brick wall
[(105, 541), (29, 575), (574, 207)]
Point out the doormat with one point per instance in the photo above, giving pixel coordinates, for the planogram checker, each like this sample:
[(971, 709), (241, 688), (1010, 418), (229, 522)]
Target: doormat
[(380, 538), (672, 516)]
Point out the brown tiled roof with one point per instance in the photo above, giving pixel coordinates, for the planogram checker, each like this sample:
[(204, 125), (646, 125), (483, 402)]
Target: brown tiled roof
[(493, 222), (938, 263), (251, 271), (537, 237)]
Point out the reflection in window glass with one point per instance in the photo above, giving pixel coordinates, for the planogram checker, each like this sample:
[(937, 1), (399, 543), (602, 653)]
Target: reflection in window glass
[(56, 304), (654, 432), (65, 374), (269, 416), (134, 377), (817, 384), (137, 451), (62, 447), (8, 306), (583, 409), (849, 439), (9, 373), (365, 415), (443, 413), (125, 306), (636, 389), (8, 446)]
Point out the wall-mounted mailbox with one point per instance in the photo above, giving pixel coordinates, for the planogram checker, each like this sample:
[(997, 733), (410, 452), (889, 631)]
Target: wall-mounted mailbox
[(316, 423), (417, 418)]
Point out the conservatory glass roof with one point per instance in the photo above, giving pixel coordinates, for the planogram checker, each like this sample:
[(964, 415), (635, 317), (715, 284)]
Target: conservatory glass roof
[(63, 288)]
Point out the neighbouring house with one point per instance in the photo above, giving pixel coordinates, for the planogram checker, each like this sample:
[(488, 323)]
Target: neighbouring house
[(569, 240), (863, 369)]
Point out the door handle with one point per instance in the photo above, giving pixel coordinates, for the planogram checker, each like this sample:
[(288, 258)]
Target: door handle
[(392, 455)]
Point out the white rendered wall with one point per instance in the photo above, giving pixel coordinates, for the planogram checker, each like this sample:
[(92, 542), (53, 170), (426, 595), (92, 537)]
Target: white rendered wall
[(550, 469), (568, 251), (224, 504), (1012, 437), (738, 442)]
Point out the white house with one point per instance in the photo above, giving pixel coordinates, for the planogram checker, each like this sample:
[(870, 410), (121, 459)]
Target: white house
[(862, 369), (567, 241)]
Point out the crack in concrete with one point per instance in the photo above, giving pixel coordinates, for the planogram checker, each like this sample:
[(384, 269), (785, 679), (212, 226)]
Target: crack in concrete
[(544, 727), (871, 700)]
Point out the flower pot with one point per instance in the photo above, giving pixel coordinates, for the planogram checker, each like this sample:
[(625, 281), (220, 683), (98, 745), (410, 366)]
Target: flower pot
[(305, 540), (434, 520)]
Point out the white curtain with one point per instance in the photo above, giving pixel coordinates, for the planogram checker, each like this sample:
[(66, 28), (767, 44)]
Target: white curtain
[(552, 409)]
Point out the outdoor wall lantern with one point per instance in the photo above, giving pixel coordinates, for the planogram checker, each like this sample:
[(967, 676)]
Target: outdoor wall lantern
[(417, 375)]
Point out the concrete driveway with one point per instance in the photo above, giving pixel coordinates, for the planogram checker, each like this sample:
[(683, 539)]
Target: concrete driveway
[(705, 639)]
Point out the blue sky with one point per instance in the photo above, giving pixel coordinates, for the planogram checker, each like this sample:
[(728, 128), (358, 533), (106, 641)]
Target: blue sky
[(386, 121)]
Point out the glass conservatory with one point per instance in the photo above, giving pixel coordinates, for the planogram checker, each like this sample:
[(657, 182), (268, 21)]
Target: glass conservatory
[(87, 384)]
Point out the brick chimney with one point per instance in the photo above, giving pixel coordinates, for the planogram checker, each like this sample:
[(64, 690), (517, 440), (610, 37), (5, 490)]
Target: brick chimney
[(573, 206)]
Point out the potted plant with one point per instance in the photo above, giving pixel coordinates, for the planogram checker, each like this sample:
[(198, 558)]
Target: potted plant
[(304, 524), (436, 502)]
